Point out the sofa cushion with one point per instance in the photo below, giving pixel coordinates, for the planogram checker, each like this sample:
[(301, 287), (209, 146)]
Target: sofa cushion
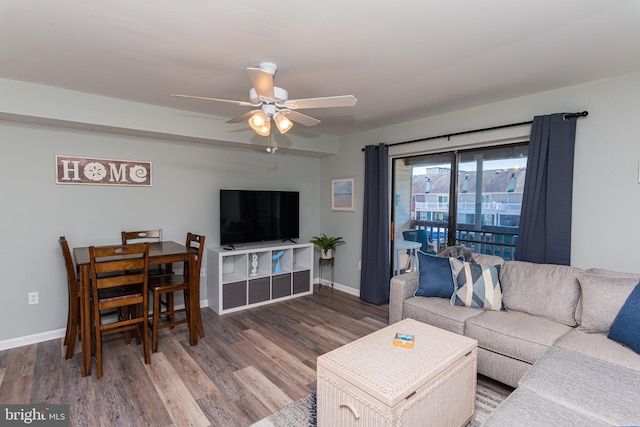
[(434, 278), (604, 272), (600, 389), (625, 329), (476, 285), (438, 312), (597, 345), (525, 408), (515, 334), (602, 298), (546, 290)]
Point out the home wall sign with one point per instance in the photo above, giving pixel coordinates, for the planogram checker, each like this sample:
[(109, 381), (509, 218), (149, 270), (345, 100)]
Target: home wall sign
[(90, 171)]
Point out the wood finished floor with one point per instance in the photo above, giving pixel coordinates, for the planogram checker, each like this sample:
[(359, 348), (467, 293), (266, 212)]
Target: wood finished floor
[(250, 364)]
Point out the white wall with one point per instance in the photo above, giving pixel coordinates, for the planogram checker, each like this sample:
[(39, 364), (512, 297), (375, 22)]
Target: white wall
[(183, 198), (606, 198), (350, 162)]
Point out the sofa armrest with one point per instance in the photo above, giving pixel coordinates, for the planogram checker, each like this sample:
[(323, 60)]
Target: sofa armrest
[(401, 288)]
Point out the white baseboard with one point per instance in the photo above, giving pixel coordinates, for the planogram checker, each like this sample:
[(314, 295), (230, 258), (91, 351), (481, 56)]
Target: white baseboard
[(50, 335), (340, 287), (31, 339)]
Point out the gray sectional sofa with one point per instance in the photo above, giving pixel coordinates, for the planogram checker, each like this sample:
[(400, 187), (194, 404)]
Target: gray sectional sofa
[(550, 343)]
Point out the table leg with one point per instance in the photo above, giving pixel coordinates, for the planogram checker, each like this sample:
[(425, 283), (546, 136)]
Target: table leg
[(85, 319), (200, 326), (194, 301)]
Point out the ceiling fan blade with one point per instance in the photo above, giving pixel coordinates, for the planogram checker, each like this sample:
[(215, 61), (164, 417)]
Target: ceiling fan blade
[(303, 119), (263, 83), (228, 101), (242, 117), (325, 102)]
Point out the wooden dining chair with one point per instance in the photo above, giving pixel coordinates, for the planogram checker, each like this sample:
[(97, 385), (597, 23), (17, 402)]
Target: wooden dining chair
[(168, 286), (119, 279), (141, 236), (73, 309), (74, 323)]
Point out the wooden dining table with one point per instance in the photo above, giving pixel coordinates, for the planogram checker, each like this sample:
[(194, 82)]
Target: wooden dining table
[(159, 253)]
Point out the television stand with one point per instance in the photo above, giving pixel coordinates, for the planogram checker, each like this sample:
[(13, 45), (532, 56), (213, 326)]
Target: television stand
[(256, 275), (230, 247), (290, 240)]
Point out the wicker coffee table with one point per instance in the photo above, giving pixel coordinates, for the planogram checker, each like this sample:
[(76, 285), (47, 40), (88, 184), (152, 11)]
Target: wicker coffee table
[(372, 382)]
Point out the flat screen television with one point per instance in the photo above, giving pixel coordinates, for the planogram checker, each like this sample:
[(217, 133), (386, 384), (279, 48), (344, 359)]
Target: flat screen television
[(248, 216)]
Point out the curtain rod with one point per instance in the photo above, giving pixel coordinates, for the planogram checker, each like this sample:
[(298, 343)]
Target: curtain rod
[(449, 135)]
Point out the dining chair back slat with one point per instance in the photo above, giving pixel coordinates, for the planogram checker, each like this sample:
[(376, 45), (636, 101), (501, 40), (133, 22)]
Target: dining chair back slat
[(121, 280), (141, 236)]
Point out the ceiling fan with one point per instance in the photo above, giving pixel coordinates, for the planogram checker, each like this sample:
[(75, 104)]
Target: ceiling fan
[(272, 103)]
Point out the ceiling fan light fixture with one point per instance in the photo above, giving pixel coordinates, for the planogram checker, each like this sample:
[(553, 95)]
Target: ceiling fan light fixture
[(282, 123), (265, 130), (258, 120)]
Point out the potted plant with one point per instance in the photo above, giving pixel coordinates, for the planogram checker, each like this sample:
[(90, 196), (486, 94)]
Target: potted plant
[(327, 244)]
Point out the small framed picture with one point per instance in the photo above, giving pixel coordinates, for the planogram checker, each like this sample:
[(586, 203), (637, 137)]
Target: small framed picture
[(343, 194)]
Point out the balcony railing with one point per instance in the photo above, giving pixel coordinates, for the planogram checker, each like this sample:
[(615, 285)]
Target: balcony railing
[(489, 240), (487, 207)]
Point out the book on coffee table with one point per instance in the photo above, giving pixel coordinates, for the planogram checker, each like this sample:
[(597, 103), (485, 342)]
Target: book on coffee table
[(403, 340)]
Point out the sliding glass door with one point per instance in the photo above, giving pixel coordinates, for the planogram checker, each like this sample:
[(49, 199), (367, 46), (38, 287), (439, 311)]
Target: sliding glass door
[(467, 197), (421, 209)]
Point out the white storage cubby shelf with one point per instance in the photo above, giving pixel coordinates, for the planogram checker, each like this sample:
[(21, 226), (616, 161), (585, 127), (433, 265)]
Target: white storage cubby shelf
[(258, 274)]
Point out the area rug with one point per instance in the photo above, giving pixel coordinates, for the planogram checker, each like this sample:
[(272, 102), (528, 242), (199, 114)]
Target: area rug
[(302, 412)]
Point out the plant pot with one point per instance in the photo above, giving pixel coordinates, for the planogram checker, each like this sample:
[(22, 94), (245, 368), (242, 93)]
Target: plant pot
[(328, 254)]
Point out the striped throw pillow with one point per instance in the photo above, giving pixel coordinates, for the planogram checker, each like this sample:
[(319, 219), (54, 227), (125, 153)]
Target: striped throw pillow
[(476, 286)]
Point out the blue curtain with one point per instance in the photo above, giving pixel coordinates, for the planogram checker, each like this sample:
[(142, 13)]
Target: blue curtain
[(544, 235), (375, 273)]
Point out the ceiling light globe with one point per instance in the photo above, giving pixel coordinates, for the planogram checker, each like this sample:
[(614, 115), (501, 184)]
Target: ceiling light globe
[(258, 120), (260, 123), (264, 130), (282, 123), (285, 124)]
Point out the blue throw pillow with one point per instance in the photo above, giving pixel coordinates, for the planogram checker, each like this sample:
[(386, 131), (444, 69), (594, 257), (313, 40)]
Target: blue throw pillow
[(625, 329), (435, 279)]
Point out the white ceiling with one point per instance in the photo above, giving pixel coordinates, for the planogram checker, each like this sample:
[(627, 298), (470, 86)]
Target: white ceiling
[(402, 59)]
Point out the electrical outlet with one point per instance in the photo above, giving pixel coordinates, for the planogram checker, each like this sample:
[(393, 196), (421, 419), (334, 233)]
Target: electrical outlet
[(203, 272), (33, 297)]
